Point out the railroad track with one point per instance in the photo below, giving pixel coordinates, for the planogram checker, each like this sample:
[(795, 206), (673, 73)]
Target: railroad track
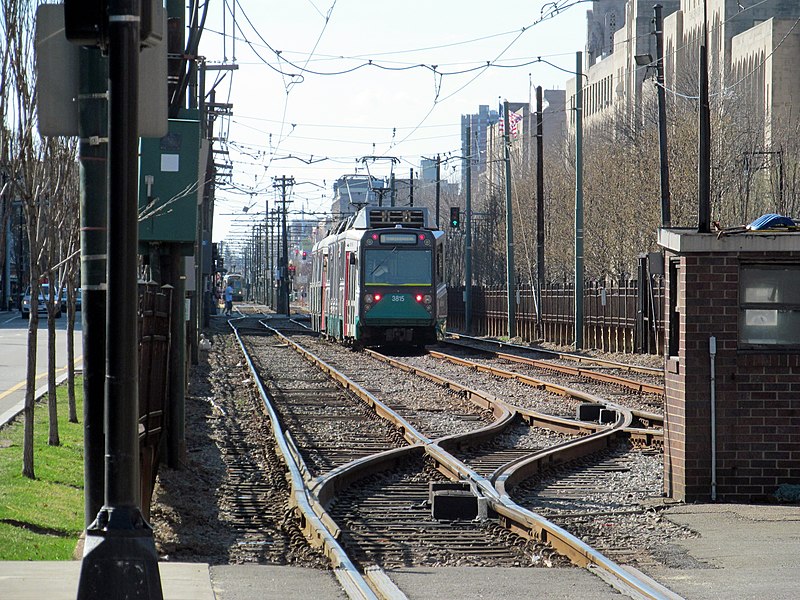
[(314, 408), (562, 398), (588, 362), (481, 456)]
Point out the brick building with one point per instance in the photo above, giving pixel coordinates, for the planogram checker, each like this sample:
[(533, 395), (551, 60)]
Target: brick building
[(744, 292)]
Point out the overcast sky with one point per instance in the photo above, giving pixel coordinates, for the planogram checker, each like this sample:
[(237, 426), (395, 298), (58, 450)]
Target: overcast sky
[(408, 106)]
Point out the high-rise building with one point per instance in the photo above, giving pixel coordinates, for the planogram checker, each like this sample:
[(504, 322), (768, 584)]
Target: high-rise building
[(476, 147)]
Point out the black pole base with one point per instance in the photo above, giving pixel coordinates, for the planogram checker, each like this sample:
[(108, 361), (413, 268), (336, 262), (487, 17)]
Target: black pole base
[(119, 558)]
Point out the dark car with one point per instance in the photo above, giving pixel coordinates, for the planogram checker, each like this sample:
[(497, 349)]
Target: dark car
[(77, 300)]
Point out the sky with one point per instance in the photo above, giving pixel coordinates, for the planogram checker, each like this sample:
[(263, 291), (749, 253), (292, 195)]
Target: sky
[(297, 112)]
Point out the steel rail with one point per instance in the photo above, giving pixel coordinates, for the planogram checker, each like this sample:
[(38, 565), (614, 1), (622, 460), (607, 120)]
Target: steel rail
[(516, 518), (655, 419), (588, 360), (632, 384), (353, 582)]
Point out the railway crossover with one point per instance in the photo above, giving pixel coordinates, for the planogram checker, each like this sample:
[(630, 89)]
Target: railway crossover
[(375, 456)]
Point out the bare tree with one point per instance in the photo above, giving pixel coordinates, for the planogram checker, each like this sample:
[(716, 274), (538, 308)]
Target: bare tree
[(40, 171)]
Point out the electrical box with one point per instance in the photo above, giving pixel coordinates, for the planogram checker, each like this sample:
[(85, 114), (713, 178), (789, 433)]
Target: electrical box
[(170, 182)]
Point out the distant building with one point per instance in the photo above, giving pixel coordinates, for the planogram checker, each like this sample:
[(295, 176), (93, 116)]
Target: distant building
[(753, 52), (353, 191), (427, 168), (477, 147), (522, 137)]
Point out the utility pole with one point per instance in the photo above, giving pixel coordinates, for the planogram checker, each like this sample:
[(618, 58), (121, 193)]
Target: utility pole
[(284, 182), (666, 219), (510, 284), (411, 188), (468, 238), (120, 542), (579, 201), (539, 203), (704, 164), (438, 188)]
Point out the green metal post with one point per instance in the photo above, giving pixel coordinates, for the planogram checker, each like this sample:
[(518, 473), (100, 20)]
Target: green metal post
[(93, 156), (579, 201), (512, 296), (468, 238)]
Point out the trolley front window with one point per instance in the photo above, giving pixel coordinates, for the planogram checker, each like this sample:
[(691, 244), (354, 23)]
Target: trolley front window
[(397, 267)]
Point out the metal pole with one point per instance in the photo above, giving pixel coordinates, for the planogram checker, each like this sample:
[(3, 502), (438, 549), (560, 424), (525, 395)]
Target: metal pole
[(704, 163), (120, 543), (93, 124), (438, 188), (173, 267), (662, 119), (411, 188), (579, 200), (540, 272), (468, 239), (511, 300), (283, 182)]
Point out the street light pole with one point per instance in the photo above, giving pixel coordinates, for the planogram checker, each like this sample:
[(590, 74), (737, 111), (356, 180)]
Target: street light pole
[(120, 543)]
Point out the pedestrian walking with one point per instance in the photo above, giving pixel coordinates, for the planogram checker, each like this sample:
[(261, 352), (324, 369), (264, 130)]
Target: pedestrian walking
[(228, 300)]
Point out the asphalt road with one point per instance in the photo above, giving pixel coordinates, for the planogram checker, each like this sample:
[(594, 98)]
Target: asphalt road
[(13, 356)]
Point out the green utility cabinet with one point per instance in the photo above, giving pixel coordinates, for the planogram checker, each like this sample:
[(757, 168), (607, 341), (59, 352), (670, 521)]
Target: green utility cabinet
[(170, 188)]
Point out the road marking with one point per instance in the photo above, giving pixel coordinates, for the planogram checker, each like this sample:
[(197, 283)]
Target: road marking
[(22, 384), (12, 319)]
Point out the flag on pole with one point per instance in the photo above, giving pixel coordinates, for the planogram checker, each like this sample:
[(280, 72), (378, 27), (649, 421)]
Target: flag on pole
[(513, 121)]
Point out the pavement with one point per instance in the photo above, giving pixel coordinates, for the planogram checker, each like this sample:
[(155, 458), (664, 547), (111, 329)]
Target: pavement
[(741, 552)]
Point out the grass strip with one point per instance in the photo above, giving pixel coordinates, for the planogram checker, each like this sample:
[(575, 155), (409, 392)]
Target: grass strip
[(42, 518)]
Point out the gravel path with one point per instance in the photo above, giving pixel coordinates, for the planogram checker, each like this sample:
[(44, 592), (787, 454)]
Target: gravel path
[(197, 513)]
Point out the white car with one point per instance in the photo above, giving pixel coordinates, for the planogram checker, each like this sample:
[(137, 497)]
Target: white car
[(41, 307)]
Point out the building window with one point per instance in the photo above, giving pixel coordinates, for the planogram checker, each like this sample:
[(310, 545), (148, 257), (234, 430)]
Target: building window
[(769, 306)]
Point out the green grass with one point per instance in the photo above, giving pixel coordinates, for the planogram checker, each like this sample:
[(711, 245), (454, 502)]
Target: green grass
[(42, 518)]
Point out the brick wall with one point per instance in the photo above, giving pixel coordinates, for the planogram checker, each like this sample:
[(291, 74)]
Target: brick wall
[(757, 392)]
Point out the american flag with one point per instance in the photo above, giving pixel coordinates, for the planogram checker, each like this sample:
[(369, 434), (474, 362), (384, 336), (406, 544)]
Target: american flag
[(513, 120)]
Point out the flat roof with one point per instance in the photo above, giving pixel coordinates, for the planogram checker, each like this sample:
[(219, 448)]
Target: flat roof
[(685, 241)]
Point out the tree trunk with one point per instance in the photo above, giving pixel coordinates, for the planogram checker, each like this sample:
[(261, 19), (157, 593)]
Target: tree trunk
[(73, 410), (52, 405), (30, 389)]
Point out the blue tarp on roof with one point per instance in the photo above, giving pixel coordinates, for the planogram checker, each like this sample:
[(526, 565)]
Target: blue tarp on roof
[(771, 221)]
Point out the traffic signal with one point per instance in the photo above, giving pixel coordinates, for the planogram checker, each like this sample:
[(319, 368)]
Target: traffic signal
[(86, 21), (304, 255), (455, 219)]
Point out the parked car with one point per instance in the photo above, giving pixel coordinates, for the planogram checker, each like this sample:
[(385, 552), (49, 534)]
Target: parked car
[(41, 308), (77, 300)]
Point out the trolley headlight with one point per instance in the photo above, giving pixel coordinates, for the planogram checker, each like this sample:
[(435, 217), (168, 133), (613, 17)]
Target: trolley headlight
[(428, 299), (368, 299)]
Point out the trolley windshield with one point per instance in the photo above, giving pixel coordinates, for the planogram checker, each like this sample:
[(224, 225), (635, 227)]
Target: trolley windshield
[(397, 266)]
